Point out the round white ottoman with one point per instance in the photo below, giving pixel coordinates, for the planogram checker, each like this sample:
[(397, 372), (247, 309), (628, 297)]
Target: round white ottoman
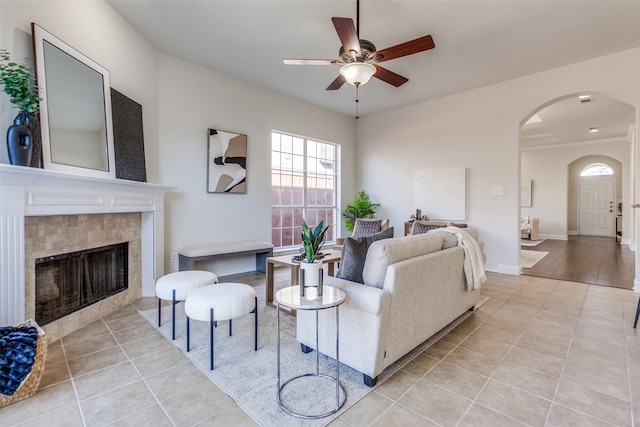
[(176, 286), (224, 301)]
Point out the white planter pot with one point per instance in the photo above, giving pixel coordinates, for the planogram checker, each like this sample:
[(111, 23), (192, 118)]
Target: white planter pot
[(311, 272)]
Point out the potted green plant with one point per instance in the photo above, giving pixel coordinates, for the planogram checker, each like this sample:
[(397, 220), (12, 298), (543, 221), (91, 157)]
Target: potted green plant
[(18, 82), (360, 207), (312, 241)]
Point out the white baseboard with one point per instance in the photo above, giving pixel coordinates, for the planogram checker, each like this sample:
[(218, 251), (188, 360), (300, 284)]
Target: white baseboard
[(554, 236), (513, 270)]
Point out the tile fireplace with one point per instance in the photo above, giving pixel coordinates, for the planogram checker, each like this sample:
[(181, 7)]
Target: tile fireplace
[(46, 213)]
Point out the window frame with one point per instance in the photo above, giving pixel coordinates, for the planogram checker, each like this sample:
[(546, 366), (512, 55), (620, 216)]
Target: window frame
[(595, 165), (306, 173)]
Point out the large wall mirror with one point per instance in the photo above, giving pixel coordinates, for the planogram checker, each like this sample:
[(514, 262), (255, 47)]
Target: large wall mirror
[(75, 111)]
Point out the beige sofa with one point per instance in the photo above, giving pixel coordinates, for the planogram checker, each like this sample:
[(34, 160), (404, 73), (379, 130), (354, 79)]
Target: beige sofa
[(415, 286)]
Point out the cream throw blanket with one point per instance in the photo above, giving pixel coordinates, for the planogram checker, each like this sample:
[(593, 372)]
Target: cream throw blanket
[(473, 261)]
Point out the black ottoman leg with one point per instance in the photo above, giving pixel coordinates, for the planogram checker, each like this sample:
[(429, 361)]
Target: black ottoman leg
[(188, 334), (173, 315), (255, 335), (211, 337)]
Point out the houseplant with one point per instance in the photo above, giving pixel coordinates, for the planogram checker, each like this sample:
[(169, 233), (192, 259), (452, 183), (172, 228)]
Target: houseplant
[(312, 241), (360, 207), (18, 82)]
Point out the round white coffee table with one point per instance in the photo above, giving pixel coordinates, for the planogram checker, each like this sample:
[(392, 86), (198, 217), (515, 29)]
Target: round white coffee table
[(331, 298)]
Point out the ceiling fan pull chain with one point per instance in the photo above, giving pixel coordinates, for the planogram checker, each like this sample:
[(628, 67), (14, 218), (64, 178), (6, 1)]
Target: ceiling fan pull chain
[(357, 101)]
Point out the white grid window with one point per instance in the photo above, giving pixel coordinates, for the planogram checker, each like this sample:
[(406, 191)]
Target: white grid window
[(304, 180), (596, 169)]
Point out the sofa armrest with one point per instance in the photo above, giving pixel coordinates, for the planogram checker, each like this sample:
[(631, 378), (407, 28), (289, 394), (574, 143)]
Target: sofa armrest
[(361, 297)]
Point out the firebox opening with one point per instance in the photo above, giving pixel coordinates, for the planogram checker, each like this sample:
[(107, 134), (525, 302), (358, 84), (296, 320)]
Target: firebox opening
[(69, 282)]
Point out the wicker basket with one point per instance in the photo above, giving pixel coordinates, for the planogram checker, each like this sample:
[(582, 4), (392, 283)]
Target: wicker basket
[(30, 384)]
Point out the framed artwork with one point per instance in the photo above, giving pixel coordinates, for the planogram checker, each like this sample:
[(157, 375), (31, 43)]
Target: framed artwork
[(227, 162), (525, 193), (128, 137)]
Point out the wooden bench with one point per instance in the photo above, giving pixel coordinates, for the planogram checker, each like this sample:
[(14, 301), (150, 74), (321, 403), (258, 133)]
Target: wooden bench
[(262, 250)]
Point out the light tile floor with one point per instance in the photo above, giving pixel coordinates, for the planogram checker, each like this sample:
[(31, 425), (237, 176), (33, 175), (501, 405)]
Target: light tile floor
[(540, 352)]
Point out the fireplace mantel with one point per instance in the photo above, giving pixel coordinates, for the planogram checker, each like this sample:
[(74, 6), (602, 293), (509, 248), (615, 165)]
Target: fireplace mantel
[(28, 191)]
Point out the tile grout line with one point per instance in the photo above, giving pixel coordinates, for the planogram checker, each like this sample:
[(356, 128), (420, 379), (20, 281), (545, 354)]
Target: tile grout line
[(157, 400), (490, 377)]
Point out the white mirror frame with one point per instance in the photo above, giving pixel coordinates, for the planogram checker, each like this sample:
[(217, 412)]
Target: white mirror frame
[(39, 37)]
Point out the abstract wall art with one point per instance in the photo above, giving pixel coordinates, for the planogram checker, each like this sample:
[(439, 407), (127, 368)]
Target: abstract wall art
[(227, 162)]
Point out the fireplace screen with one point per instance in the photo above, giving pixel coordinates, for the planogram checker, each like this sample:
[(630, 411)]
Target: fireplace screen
[(68, 282)]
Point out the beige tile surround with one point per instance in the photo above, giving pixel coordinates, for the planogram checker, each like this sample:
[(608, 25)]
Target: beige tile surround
[(53, 235), (540, 352)]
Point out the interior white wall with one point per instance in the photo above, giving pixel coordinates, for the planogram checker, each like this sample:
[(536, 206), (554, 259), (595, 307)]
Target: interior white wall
[(178, 108), (554, 193), (99, 32), (479, 130), (194, 99)]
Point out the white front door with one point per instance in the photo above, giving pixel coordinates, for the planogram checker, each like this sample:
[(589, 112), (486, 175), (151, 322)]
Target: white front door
[(596, 209)]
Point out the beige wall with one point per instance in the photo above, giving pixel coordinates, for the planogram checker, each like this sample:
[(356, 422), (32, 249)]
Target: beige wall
[(96, 30), (194, 99), (478, 130), (555, 173), (180, 102)]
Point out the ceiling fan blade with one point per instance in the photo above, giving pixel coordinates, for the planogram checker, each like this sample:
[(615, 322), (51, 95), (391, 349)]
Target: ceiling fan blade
[(403, 49), (337, 83), (347, 34), (293, 61), (389, 76)]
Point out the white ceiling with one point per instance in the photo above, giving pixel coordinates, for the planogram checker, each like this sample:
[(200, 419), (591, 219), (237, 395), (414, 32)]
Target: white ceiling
[(477, 42), (568, 121)]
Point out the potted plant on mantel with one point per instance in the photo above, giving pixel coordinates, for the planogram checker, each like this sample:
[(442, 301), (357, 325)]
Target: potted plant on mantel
[(312, 241), (23, 137)]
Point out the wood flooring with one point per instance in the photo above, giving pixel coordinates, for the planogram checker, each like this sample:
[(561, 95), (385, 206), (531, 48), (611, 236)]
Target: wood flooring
[(594, 260)]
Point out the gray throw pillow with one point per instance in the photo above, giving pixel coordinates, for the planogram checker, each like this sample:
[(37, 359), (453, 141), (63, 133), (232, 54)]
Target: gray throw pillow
[(354, 254)]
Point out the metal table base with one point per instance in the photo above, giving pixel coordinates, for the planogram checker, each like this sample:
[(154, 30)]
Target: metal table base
[(340, 397)]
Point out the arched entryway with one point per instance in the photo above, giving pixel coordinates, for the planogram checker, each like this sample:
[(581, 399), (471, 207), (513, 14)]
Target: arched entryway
[(557, 141)]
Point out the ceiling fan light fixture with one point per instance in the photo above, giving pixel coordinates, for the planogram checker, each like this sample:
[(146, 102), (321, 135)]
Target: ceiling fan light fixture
[(357, 73)]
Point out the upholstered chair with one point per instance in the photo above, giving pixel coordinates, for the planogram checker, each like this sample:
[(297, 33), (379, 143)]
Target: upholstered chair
[(421, 226), (364, 227)]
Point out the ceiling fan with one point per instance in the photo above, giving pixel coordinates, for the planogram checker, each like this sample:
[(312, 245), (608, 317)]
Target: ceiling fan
[(361, 58)]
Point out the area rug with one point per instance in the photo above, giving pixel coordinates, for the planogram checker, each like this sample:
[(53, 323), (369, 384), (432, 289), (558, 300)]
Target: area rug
[(250, 377), (531, 243), (530, 258)]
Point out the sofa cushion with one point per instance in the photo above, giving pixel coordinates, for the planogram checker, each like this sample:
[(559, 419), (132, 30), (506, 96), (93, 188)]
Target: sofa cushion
[(384, 253), (354, 254), (449, 240)]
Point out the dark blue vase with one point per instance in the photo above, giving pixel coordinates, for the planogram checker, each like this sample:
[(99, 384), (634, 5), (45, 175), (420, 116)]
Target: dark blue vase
[(19, 143)]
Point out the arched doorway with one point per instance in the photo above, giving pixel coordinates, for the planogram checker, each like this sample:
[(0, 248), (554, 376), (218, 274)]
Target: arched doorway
[(557, 141)]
